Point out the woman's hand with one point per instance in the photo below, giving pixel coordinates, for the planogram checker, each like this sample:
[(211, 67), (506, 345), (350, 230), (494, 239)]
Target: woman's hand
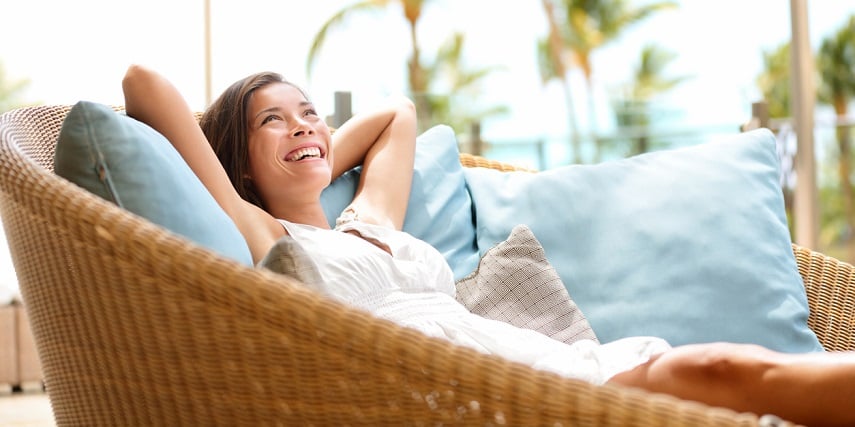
[(383, 141)]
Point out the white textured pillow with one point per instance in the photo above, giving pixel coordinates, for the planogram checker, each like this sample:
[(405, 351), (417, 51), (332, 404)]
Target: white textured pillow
[(514, 283)]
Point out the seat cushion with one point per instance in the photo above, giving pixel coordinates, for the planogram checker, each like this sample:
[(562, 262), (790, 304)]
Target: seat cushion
[(132, 165), (690, 244)]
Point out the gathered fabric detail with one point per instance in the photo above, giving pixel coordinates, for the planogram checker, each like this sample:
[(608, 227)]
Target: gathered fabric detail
[(413, 286)]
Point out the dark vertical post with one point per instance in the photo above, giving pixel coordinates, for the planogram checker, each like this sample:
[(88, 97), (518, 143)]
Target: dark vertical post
[(343, 108), (476, 144)]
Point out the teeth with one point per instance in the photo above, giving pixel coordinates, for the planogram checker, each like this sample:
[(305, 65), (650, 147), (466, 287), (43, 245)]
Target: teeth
[(303, 153)]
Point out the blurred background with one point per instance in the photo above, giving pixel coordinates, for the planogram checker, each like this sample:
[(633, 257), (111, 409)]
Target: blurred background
[(538, 83)]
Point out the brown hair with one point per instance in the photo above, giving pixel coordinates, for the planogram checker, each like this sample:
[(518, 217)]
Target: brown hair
[(226, 127)]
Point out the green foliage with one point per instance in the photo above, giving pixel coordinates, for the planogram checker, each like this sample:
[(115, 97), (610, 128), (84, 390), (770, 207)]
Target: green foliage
[(835, 77), (546, 66), (591, 24), (836, 67), (446, 74), (774, 80), (577, 29), (334, 21), (650, 79), (634, 109)]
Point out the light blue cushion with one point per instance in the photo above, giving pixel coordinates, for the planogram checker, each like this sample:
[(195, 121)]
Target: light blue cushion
[(690, 245), (132, 165), (439, 211)]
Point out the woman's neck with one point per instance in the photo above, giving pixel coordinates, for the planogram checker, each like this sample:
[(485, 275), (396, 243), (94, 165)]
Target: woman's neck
[(309, 214)]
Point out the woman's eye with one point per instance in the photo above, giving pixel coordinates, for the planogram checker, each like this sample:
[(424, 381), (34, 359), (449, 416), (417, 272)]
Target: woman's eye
[(268, 119), (310, 112)]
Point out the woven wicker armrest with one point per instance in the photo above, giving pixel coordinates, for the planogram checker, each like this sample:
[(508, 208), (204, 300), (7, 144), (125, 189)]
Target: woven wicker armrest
[(830, 287)]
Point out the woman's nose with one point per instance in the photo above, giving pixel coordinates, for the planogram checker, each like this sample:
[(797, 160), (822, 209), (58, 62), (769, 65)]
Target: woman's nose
[(302, 128)]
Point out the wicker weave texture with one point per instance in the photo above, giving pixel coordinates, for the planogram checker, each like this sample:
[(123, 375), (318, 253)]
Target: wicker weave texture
[(137, 326)]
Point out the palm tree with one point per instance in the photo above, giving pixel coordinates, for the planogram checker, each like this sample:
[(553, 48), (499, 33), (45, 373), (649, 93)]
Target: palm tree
[(554, 62), (774, 84), (836, 67), (10, 91), (412, 12), (587, 25), (449, 71), (774, 80), (423, 77), (648, 83)]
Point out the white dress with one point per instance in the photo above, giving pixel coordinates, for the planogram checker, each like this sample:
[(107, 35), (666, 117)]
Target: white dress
[(415, 288)]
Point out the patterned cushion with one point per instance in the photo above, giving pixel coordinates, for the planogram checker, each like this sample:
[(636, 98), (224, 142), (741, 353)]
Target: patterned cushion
[(289, 258), (515, 283)]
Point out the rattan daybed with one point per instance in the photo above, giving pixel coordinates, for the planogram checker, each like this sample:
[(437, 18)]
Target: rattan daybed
[(192, 338)]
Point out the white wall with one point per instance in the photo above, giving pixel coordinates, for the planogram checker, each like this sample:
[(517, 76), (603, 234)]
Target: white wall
[(8, 281)]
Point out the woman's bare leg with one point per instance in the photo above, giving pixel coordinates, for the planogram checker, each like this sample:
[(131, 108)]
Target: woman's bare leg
[(813, 389)]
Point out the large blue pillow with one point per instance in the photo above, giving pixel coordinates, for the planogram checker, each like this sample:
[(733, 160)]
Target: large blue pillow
[(439, 211), (132, 165), (690, 245)]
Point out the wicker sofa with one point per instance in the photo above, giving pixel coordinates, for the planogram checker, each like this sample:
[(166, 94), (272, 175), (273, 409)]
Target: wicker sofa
[(192, 338)]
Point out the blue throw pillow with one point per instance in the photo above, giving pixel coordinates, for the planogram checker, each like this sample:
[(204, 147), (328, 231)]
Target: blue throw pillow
[(439, 211), (690, 245), (132, 165)]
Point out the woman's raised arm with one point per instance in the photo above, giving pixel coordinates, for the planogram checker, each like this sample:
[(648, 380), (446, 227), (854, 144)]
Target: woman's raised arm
[(152, 99), (383, 141)]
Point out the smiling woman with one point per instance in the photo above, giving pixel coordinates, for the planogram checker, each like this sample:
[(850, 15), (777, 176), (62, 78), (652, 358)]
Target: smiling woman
[(255, 126), (367, 263)]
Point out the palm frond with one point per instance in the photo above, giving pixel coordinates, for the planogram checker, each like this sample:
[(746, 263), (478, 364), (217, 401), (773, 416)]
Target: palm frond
[(334, 21)]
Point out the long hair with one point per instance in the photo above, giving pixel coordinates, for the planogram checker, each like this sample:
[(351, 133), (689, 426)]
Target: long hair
[(226, 127)]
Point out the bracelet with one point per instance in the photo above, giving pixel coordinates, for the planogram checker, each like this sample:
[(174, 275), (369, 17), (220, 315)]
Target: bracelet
[(347, 216)]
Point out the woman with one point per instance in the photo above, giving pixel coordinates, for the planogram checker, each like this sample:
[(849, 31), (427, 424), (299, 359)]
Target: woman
[(273, 155)]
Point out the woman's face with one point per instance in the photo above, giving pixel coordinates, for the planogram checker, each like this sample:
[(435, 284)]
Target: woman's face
[(290, 156)]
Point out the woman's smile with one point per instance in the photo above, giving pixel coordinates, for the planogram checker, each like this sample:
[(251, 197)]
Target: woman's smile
[(306, 152)]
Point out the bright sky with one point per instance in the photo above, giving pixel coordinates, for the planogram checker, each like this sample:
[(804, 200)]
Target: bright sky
[(79, 50), (74, 50)]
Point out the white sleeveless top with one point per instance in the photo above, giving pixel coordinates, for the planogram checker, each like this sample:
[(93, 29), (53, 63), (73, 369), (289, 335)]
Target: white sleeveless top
[(414, 287)]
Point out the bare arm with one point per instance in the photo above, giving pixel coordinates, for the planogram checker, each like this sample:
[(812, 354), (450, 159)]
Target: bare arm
[(383, 141), (152, 99)]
